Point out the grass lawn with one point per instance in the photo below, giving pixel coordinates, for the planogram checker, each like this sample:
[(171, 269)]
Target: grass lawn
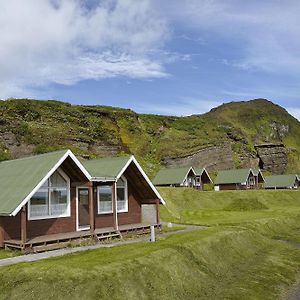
[(240, 256), (8, 253), (187, 206)]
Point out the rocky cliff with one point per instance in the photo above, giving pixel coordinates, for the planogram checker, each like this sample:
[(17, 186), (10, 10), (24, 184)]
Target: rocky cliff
[(238, 134)]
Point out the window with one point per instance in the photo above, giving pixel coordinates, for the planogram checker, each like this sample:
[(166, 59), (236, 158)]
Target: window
[(104, 195), (122, 195), (52, 200)]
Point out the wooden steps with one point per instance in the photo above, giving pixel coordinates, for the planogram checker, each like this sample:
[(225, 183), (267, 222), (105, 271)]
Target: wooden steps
[(108, 235)]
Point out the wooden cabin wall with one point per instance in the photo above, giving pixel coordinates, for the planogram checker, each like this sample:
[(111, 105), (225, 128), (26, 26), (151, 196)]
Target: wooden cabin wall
[(54, 225), (134, 214)]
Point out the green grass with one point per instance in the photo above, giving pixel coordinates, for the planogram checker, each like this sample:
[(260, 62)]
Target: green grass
[(190, 206), (242, 255), (185, 266), (8, 253)]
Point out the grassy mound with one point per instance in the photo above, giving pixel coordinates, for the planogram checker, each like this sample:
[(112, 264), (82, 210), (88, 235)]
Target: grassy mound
[(245, 205), (217, 263), (185, 205)]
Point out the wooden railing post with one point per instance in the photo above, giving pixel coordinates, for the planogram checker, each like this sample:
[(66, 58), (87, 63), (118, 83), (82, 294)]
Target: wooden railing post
[(91, 209), (1, 233), (157, 202), (24, 224), (114, 206)]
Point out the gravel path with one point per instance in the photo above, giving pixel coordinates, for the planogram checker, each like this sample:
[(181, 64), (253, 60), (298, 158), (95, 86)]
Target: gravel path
[(60, 252)]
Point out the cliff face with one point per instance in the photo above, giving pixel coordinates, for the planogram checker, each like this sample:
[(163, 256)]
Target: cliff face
[(213, 158), (272, 157), (238, 134)]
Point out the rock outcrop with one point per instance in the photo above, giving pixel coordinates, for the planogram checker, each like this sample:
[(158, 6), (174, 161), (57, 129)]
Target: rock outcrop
[(213, 158), (272, 157)]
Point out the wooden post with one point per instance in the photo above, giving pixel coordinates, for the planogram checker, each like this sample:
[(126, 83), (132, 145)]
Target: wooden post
[(24, 224), (1, 233), (157, 202), (114, 206), (91, 209)]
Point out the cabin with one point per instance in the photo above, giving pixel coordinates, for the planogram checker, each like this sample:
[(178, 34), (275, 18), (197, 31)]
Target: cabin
[(282, 182), (258, 177), (202, 177), (182, 177), (52, 199), (238, 179)]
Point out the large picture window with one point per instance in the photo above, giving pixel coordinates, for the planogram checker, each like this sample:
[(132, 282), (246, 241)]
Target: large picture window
[(104, 195), (122, 195), (52, 200)]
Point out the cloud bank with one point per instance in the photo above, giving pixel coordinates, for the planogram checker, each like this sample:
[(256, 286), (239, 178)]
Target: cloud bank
[(56, 41)]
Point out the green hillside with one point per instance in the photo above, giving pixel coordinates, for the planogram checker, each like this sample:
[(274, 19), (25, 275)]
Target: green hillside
[(252, 255), (32, 126)]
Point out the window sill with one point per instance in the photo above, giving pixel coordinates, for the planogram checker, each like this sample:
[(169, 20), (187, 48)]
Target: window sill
[(105, 213), (49, 217), (122, 211)]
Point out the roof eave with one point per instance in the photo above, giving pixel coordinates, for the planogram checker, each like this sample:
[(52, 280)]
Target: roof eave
[(51, 171)]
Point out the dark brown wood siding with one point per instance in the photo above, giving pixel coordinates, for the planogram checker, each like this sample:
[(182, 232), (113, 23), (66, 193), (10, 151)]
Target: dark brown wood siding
[(55, 225), (12, 227), (134, 214), (233, 186)]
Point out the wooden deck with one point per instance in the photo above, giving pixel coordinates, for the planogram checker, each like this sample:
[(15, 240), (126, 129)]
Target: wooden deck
[(62, 240)]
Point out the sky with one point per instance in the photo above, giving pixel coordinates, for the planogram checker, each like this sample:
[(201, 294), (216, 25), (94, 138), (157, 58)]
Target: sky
[(175, 57)]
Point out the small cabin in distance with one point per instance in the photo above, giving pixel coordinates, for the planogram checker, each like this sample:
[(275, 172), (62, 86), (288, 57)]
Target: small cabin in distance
[(282, 182), (182, 177), (238, 179)]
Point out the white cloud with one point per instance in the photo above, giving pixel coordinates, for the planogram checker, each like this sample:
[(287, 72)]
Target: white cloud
[(295, 112), (43, 42)]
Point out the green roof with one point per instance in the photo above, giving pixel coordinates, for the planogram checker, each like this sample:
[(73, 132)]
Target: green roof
[(171, 176), (109, 167), (232, 176), (198, 171), (256, 171), (280, 181), (20, 176)]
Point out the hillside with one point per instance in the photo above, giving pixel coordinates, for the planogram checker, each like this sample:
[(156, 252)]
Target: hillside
[(236, 134), (249, 251)]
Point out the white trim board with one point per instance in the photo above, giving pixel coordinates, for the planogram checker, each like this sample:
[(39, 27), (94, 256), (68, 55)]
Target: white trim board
[(185, 177), (52, 170), (132, 159), (77, 211)]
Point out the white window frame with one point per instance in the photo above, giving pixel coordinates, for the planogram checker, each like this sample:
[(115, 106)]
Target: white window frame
[(126, 195), (98, 200), (68, 211)]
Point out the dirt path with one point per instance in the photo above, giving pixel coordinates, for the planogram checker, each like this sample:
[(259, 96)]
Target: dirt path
[(60, 252)]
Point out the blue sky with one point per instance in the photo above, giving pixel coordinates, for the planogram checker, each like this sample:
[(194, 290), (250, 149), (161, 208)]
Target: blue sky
[(175, 57)]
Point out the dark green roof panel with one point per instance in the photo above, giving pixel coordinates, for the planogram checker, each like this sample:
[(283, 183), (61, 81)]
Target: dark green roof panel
[(232, 176), (171, 176), (280, 181), (20, 176), (108, 167)]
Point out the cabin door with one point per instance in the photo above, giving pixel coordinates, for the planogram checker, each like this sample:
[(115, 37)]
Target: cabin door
[(83, 216)]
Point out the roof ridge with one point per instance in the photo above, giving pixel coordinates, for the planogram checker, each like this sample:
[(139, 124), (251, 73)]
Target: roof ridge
[(32, 156)]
